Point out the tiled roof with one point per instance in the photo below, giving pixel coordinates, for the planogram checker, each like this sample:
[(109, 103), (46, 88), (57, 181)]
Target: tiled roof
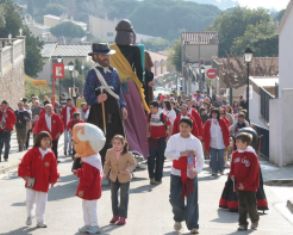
[(70, 50)]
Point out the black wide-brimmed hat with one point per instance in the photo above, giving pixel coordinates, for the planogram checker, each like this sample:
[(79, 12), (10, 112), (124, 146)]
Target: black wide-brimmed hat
[(101, 48)]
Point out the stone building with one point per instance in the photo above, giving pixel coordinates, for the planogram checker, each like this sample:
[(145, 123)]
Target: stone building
[(12, 54)]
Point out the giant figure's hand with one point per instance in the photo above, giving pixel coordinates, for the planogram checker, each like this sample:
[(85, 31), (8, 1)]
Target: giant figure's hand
[(124, 113), (102, 98)]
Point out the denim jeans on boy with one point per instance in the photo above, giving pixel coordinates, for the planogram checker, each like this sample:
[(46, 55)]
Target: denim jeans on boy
[(182, 212), (122, 208), (5, 137), (156, 158), (217, 160)]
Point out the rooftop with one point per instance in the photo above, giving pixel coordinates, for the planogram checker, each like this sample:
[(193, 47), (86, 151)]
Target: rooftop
[(68, 50)]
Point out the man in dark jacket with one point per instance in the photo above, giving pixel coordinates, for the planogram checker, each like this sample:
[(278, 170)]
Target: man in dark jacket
[(22, 119)]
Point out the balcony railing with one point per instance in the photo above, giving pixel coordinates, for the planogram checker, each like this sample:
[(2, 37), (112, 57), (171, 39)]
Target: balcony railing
[(265, 104)]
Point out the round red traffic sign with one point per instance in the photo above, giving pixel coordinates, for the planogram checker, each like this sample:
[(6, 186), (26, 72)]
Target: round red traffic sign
[(212, 73)]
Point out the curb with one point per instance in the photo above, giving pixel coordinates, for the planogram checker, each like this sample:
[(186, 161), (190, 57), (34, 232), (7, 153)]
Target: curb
[(290, 205)]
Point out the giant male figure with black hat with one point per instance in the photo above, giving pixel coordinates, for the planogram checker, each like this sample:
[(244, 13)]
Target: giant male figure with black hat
[(103, 93)]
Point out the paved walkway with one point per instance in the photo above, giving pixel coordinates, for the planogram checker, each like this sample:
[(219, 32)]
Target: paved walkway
[(149, 209)]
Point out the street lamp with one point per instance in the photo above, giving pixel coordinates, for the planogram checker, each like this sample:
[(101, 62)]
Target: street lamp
[(71, 69), (10, 39), (59, 60), (202, 71), (248, 55)]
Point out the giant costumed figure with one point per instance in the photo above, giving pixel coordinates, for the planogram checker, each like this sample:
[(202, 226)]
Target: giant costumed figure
[(103, 93), (129, 61)]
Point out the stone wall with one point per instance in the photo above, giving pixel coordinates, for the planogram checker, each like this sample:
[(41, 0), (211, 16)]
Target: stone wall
[(12, 54)]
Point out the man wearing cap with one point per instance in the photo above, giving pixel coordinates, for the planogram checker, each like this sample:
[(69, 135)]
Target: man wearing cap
[(103, 93)]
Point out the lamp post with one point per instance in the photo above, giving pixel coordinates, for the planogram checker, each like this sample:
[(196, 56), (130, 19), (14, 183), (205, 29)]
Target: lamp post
[(71, 69), (202, 71), (59, 60), (248, 55)]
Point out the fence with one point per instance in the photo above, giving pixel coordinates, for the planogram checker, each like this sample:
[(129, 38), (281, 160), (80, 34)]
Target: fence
[(264, 141), (265, 104)]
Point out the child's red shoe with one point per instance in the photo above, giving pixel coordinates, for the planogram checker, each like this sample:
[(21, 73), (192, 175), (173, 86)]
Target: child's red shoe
[(114, 219), (121, 221)]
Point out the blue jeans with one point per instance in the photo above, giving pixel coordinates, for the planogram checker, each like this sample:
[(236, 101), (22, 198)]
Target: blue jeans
[(217, 160), (5, 137), (156, 158), (182, 212), (120, 209)]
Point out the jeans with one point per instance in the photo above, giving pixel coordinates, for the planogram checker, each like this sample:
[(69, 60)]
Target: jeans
[(184, 212), (21, 134), (120, 209), (156, 158), (247, 205), (5, 137), (67, 141), (27, 141), (55, 147), (217, 160)]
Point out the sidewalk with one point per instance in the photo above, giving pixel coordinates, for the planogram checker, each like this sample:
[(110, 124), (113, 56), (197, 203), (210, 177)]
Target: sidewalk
[(280, 180), (15, 156)]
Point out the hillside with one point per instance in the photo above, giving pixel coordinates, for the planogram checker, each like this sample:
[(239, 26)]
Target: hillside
[(222, 4), (164, 18)]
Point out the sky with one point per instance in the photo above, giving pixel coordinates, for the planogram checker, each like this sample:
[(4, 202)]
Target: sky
[(276, 4)]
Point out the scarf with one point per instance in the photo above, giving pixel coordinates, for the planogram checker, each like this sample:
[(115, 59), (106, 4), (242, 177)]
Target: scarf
[(187, 184), (126, 72)]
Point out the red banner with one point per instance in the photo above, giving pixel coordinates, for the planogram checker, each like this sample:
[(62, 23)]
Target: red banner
[(58, 71)]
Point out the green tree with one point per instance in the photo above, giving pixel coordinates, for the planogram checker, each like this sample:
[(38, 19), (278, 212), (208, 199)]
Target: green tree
[(157, 44), (175, 55), (12, 24), (68, 30), (254, 37), (55, 9), (240, 27), (33, 62)]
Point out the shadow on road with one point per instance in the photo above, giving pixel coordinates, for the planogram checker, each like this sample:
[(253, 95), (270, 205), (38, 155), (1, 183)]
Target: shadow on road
[(22, 231), (141, 189), (60, 192), (225, 216), (18, 204)]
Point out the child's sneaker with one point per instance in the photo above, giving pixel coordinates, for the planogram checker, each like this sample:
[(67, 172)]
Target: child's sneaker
[(177, 226), (93, 230), (29, 221), (242, 228), (121, 221), (254, 226), (114, 219), (194, 231), (41, 225), (83, 229)]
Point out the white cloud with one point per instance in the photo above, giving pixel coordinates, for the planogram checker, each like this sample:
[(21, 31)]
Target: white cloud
[(276, 4)]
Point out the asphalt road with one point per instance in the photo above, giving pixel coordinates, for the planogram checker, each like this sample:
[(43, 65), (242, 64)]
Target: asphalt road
[(149, 209)]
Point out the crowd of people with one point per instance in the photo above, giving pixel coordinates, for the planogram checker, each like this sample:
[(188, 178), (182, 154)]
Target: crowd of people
[(197, 128), (31, 117), (184, 129)]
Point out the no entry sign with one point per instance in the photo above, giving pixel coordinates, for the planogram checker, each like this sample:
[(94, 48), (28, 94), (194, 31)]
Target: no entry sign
[(212, 73)]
